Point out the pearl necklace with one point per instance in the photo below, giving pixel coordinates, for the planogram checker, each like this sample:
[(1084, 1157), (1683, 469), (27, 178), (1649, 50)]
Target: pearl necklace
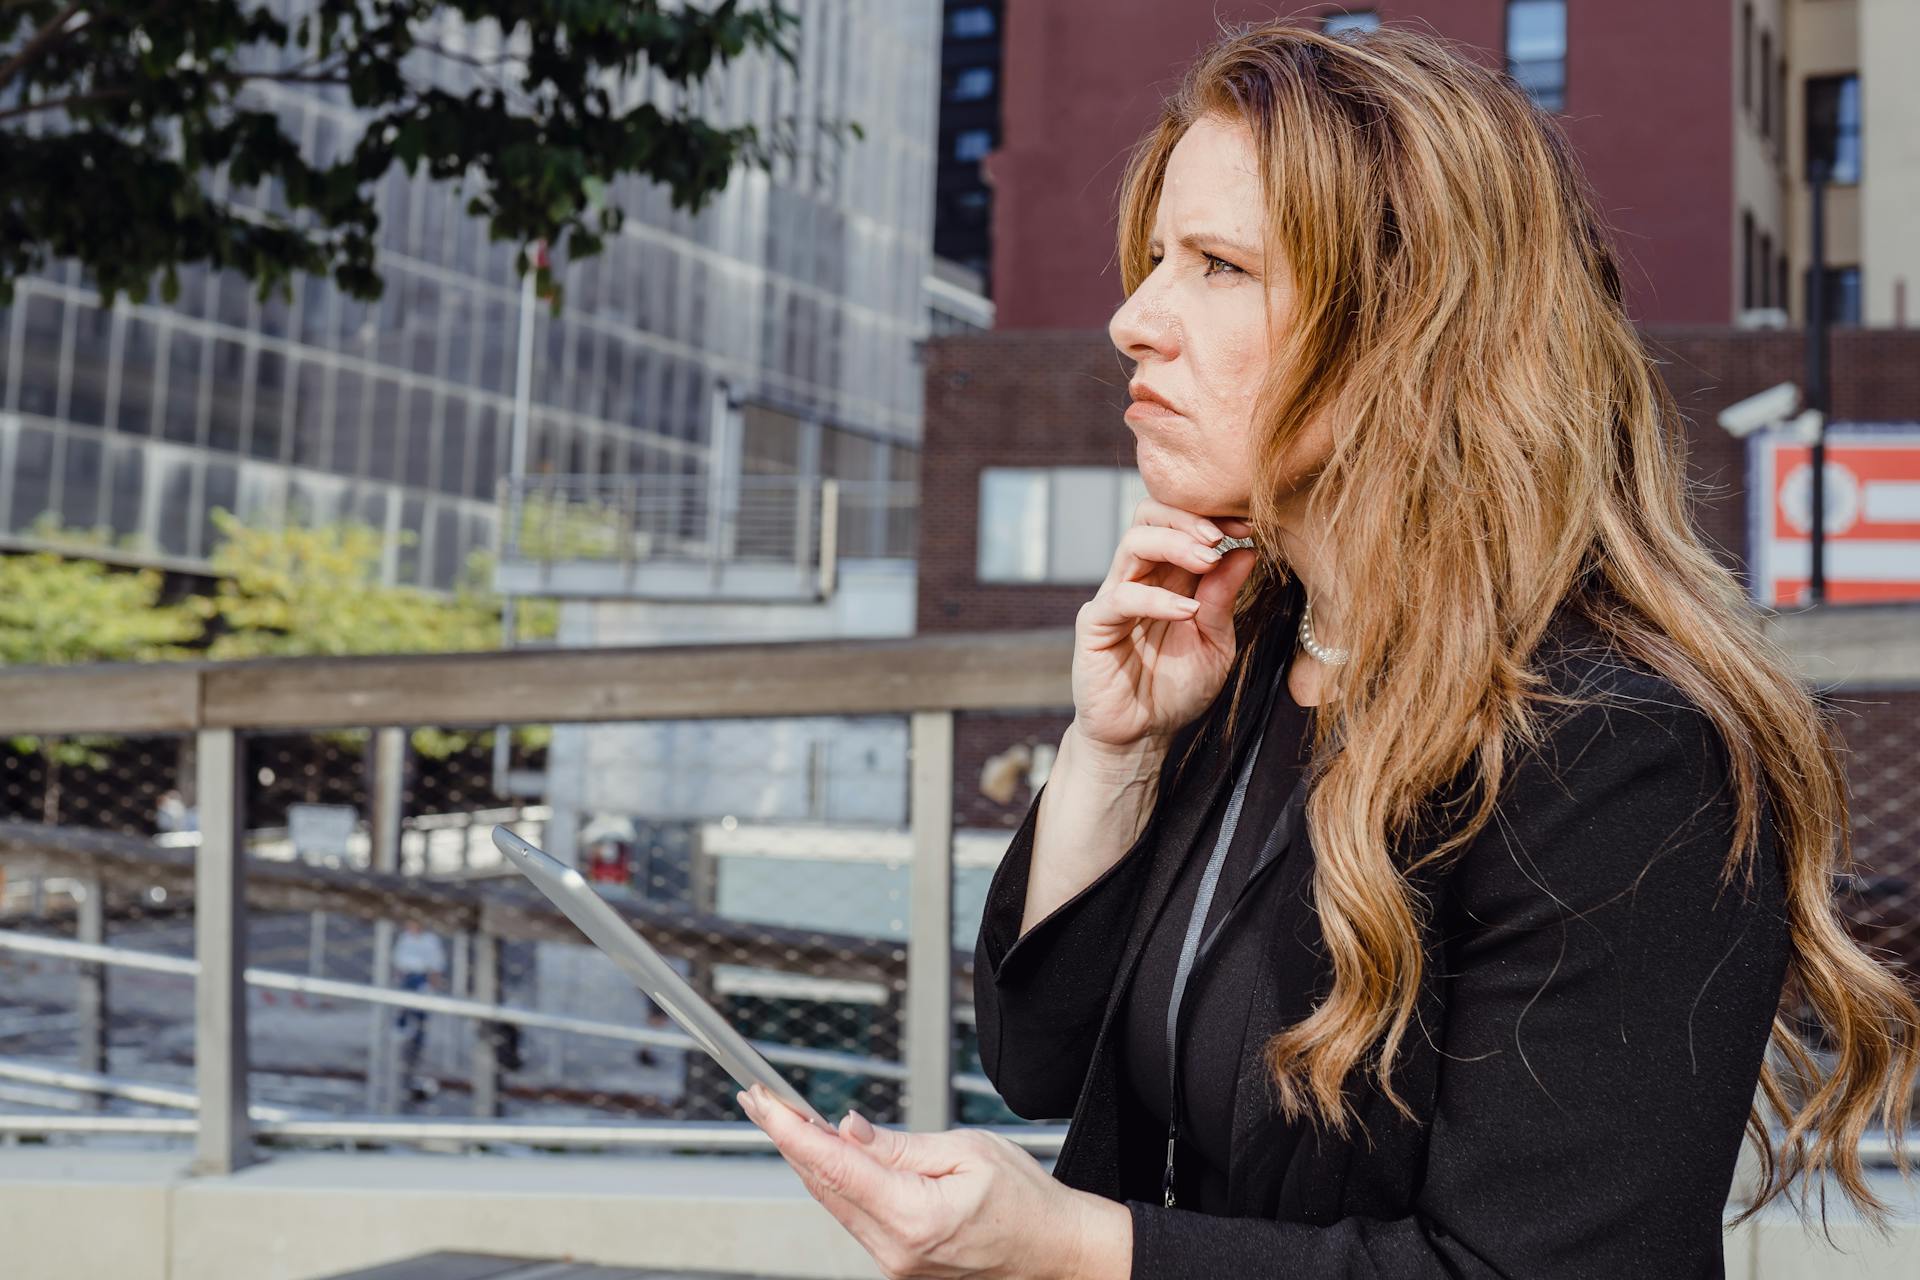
[(1332, 657)]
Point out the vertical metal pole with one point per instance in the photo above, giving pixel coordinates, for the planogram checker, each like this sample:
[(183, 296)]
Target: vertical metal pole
[(389, 763), (91, 998), (220, 945), (486, 1061), (721, 462), (459, 983), (1817, 385), (316, 944), (511, 514), (930, 924), (829, 535)]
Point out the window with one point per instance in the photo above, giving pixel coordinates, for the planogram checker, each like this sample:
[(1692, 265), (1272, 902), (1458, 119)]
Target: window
[(1780, 108), (970, 23), (1766, 85), (1833, 128), (1746, 57), (1766, 276), (1746, 260), (1780, 282), (971, 84), (972, 144), (1841, 297), (1053, 524), (1364, 20), (1537, 49)]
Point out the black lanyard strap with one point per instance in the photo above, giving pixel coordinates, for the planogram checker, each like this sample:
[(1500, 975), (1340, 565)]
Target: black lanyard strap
[(1197, 921)]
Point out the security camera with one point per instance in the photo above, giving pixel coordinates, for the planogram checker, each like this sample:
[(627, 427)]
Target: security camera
[(1756, 412)]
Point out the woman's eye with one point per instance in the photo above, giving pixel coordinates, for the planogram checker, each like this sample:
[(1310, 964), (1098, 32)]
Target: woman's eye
[(1154, 259)]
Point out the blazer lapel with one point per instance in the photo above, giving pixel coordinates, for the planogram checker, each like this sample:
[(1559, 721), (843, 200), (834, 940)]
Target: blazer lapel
[(1090, 1157), (1293, 951), (1181, 827)]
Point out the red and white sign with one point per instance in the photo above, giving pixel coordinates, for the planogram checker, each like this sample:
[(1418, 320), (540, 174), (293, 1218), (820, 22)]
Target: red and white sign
[(1872, 496)]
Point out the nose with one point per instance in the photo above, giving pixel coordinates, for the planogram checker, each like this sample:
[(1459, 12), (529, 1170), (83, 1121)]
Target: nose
[(1144, 325)]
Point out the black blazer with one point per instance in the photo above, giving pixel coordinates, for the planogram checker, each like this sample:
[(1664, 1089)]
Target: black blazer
[(1593, 1015)]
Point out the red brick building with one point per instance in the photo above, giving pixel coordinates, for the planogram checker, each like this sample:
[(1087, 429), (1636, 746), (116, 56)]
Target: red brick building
[(1648, 95)]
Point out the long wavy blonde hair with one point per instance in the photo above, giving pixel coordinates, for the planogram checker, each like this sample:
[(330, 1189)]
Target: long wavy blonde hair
[(1459, 314)]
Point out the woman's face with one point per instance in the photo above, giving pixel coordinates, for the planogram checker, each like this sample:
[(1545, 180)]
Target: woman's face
[(1197, 328)]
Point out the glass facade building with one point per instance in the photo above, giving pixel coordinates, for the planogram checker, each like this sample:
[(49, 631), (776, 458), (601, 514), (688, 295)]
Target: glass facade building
[(802, 290)]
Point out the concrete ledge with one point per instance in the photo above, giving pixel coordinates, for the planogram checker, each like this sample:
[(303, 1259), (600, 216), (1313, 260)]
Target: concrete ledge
[(304, 1215), (301, 1215)]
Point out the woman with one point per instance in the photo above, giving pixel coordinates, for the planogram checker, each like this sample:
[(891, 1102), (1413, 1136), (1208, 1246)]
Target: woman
[(1525, 843)]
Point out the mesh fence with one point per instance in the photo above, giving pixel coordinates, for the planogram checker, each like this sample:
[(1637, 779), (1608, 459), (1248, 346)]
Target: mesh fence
[(1882, 896), (94, 849), (770, 860)]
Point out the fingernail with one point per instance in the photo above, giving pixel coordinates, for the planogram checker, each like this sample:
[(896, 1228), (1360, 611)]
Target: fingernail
[(858, 1127), (747, 1103), (1210, 533), (1211, 553)]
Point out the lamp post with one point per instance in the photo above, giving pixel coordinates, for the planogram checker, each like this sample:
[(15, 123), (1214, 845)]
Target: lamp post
[(516, 473), (1817, 376)]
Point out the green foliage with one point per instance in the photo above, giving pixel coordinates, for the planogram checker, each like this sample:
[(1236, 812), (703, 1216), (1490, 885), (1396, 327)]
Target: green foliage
[(55, 611), (316, 591), (304, 591), (138, 107), (560, 526), (292, 592)]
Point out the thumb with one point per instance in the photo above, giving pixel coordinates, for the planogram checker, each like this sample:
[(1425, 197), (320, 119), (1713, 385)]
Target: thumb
[(1216, 594), (925, 1153)]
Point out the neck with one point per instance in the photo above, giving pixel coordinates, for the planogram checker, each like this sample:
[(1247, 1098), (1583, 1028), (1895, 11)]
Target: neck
[(1308, 550), (1309, 553)]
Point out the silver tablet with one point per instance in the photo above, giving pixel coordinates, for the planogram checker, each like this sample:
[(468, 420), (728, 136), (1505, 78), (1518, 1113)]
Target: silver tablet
[(650, 970)]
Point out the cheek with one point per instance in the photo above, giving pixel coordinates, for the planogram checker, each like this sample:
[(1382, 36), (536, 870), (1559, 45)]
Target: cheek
[(1229, 369)]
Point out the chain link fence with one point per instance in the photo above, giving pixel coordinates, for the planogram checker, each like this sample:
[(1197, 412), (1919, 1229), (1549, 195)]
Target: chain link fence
[(415, 975)]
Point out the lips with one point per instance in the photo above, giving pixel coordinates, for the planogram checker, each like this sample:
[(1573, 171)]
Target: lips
[(1155, 402)]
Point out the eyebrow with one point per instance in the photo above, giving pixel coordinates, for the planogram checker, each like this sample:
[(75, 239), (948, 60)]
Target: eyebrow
[(1197, 241)]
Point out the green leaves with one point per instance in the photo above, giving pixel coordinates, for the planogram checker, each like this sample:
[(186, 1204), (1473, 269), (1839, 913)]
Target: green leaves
[(294, 592), (150, 109), (55, 611)]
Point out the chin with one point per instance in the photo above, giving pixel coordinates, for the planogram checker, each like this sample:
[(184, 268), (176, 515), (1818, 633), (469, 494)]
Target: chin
[(1174, 490)]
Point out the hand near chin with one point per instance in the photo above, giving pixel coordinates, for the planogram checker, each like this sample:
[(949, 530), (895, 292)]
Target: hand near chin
[(1154, 645)]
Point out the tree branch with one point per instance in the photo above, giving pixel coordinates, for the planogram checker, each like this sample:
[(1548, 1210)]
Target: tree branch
[(43, 39), (54, 104)]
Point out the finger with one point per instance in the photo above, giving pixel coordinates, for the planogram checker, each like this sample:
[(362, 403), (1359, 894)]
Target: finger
[(843, 1167), (1215, 596), (1119, 608), (1154, 511), (1145, 549), (874, 1235), (931, 1155)]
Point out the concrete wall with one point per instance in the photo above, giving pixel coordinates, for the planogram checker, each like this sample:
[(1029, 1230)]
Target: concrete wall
[(1890, 140), (71, 1213), (68, 1213)]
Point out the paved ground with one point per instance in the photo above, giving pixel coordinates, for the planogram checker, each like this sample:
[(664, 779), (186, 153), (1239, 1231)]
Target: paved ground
[(485, 1266)]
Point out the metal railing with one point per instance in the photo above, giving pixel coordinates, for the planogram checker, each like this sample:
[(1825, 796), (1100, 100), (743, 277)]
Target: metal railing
[(222, 705), (805, 522), (927, 680)]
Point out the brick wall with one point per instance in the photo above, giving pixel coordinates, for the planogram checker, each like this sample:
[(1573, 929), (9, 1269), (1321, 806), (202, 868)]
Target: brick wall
[(1055, 397)]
